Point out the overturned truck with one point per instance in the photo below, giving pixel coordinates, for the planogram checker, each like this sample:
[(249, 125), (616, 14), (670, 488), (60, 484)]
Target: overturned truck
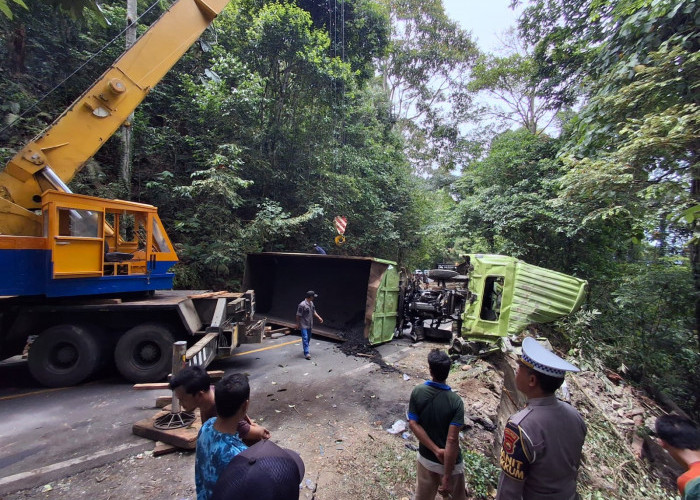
[(484, 299), (369, 300)]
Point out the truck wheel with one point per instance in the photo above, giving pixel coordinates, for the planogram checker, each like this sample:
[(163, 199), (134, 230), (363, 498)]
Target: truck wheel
[(442, 274), (145, 353), (64, 355)]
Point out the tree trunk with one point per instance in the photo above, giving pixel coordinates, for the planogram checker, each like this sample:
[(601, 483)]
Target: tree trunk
[(694, 248), (127, 140), (18, 50)]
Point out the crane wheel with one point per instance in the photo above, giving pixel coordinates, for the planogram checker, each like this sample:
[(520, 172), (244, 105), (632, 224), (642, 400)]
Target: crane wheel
[(64, 355), (144, 353)]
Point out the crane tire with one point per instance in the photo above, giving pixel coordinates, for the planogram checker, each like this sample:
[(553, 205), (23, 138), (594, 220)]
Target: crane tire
[(144, 353), (64, 355)]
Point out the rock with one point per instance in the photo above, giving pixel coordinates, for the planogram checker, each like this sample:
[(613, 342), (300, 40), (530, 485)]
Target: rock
[(634, 412)]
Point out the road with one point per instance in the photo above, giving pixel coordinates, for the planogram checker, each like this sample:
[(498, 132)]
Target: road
[(50, 433)]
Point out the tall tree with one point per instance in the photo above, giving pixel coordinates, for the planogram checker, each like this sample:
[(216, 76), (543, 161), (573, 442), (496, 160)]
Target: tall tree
[(425, 74), (514, 91)]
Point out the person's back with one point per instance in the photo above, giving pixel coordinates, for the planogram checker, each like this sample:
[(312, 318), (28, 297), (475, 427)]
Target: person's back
[(215, 450), (439, 405), (557, 432), (435, 416)]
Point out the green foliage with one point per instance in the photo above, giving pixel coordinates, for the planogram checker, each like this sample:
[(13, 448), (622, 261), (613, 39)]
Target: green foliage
[(642, 327), (77, 9), (480, 474), (507, 205), (516, 95), (5, 8), (630, 174)]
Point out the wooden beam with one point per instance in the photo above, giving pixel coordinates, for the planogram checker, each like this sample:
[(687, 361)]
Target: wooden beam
[(151, 386), (200, 344), (162, 448), (162, 401)]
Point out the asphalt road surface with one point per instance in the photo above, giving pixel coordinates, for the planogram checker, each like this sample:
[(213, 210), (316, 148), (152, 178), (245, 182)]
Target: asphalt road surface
[(50, 433)]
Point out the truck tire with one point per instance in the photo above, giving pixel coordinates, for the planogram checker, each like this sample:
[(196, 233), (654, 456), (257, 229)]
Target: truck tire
[(64, 355), (442, 274), (144, 353)]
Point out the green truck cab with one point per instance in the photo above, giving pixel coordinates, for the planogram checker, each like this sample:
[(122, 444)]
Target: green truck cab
[(507, 294)]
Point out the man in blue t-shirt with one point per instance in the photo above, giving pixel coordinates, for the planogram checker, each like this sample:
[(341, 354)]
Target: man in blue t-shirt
[(219, 440), (435, 416)]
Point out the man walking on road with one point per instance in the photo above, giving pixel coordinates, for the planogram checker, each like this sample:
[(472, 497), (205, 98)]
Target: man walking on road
[(306, 311), (542, 444), (435, 416)]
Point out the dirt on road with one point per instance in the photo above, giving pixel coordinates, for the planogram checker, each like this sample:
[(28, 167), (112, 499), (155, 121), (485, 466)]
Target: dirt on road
[(338, 423)]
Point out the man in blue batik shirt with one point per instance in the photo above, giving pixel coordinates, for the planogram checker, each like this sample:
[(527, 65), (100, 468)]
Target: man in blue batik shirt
[(218, 440)]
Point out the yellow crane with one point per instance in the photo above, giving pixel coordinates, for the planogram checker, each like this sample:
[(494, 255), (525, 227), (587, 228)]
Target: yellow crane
[(62, 253)]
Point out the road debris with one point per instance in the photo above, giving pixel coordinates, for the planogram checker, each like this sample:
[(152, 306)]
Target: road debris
[(398, 427)]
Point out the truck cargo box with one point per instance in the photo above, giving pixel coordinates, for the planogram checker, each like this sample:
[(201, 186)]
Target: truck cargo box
[(357, 296)]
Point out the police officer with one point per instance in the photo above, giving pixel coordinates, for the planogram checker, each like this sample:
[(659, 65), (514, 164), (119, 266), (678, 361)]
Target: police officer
[(542, 444)]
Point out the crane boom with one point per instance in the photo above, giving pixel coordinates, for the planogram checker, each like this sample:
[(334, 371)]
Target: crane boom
[(54, 157)]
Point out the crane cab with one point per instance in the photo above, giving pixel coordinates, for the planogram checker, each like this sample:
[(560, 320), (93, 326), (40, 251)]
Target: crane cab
[(89, 246)]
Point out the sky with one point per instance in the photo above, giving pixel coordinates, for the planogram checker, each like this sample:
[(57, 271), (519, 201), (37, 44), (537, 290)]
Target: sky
[(485, 19)]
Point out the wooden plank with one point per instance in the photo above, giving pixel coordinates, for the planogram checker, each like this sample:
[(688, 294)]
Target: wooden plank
[(223, 294), (278, 330), (162, 448), (162, 401), (94, 302), (151, 386), (200, 344), (214, 375)]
